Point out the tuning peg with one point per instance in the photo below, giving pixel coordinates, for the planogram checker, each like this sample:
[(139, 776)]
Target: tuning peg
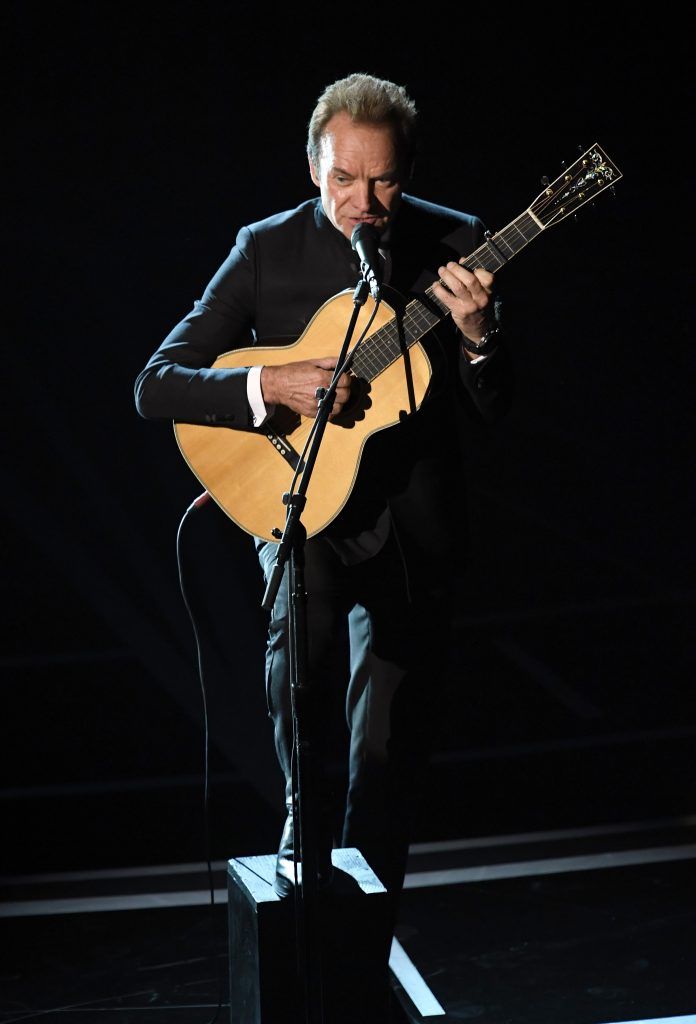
[(563, 165), (581, 149), (545, 180)]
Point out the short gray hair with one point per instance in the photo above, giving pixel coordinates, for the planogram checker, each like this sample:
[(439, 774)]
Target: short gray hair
[(367, 100)]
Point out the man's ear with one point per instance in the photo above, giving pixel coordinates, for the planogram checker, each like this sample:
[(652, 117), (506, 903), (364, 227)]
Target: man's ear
[(313, 172)]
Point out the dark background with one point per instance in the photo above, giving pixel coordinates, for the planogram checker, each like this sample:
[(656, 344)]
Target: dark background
[(140, 139)]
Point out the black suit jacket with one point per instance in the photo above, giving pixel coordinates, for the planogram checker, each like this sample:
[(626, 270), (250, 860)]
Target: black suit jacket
[(275, 278)]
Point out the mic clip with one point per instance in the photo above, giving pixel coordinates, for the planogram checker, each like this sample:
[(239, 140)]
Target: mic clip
[(370, 278)]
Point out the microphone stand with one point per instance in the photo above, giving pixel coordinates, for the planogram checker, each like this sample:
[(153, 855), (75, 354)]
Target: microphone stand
[(291, 549)]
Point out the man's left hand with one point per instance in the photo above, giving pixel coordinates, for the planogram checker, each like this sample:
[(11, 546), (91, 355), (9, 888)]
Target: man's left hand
[(468, 296)]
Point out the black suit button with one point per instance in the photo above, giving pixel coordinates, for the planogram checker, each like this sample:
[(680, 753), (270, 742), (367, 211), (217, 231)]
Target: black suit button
[(481, 382)]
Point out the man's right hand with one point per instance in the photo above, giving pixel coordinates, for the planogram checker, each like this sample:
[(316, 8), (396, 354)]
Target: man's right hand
[(295, 384)]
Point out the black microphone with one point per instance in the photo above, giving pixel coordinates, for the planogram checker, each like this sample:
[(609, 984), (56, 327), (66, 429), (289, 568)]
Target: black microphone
[(365, 241)]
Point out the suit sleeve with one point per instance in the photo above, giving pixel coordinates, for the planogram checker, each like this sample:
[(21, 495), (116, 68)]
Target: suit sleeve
[(489, 383), (179, 382)]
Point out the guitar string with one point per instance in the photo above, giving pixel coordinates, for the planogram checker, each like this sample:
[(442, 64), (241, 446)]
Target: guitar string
[(570, 179), (381, 348), (381, 343), (346, 362), (384, 347), (418, 319)]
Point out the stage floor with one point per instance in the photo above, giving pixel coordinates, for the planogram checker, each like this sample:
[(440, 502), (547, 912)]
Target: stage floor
[(593, 925)]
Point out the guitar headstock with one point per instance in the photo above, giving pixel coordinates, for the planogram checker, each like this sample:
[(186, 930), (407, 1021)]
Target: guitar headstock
[(579, 184)]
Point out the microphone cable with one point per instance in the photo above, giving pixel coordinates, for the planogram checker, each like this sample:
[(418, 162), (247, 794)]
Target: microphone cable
[(196, 504)]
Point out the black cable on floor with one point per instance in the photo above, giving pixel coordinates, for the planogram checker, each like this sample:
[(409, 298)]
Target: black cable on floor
[(206, 733)]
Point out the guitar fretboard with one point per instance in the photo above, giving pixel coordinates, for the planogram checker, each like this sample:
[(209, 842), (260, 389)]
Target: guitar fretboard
[(385, 346)]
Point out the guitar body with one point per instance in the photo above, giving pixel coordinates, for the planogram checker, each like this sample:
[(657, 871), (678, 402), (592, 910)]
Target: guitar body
[(247, 472)]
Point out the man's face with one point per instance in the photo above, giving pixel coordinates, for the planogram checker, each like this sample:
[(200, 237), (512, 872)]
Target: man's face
[(358, 174)]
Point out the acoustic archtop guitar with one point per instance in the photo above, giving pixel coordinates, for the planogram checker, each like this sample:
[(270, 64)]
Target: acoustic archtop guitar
[(247, 472)]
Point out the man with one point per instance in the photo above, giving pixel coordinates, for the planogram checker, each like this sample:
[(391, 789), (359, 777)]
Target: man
[(384, 567)]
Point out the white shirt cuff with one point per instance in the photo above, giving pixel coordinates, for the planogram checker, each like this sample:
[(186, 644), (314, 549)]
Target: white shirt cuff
[(259, 411)]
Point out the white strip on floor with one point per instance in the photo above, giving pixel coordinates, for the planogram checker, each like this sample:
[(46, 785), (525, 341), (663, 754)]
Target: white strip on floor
[(549, 866), (689, 1019), (414, 880), (412, 982), (444, 846), (554, 835)]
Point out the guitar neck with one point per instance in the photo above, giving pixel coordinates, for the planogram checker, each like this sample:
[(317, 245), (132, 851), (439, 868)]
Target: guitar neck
[(387, 344), (589, 175)]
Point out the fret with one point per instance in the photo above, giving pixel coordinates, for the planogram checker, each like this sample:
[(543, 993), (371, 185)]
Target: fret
[(475, 259), (369, 365), (250, 497), (514, 227), (503, 244), (490, 258), (519, 233), (495, 257), (529, 227), (420, 317), (373, 355), (385, 346), (436, 302)]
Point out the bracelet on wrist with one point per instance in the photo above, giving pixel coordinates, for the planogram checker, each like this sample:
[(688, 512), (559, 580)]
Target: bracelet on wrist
[(485, 344)]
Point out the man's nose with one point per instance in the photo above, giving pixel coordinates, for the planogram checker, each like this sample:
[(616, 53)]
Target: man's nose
[(363, 196)]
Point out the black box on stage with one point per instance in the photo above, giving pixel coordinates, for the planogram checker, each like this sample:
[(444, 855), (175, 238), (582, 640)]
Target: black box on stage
[(353, 945)]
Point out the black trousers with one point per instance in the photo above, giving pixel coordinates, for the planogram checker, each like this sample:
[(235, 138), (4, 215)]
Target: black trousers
[(377, 640)]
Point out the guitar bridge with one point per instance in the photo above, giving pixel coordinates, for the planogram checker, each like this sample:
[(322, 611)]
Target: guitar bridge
[(284, 448), (283, 420)]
